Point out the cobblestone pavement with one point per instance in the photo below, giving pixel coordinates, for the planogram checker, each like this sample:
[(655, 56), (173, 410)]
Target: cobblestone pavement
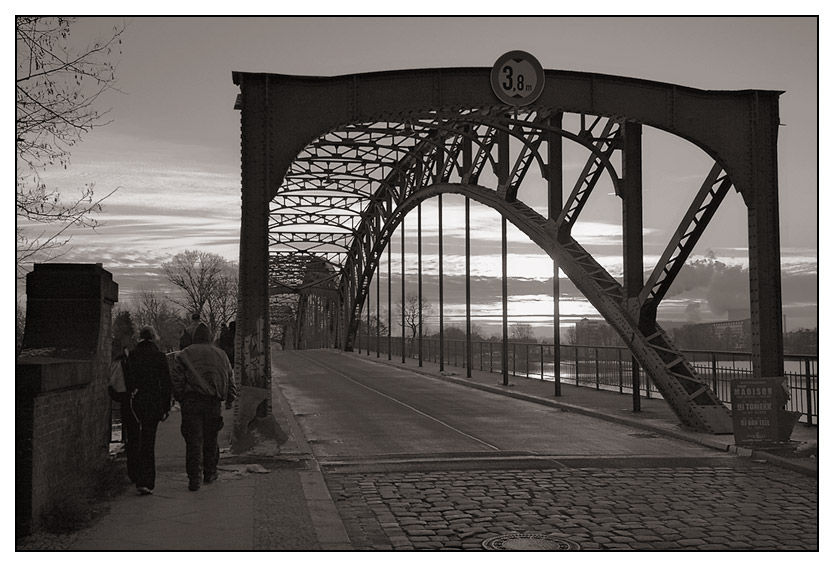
[(747, 507)]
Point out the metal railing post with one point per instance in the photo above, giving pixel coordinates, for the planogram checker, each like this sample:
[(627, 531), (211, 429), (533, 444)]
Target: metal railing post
[(808, 394), (576, 358), (596, 366), (620, 367), (714, 373)]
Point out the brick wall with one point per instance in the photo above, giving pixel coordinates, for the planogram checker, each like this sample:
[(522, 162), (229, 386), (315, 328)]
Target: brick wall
[(62, 410)]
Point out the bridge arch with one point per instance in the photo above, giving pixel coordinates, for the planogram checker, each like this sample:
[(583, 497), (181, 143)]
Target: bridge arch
[(381, 142)]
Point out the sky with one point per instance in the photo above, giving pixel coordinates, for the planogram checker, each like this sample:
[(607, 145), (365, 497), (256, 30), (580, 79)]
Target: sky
[(173, 146)]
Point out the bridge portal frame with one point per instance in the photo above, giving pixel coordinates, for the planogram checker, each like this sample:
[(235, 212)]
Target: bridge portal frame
[(283, 114)]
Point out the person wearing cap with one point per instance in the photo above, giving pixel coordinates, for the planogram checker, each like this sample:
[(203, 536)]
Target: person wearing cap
[(148, 383), (202, 378)]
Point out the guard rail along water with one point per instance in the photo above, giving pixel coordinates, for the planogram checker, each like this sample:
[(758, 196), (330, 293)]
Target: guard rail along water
[(603, 367)]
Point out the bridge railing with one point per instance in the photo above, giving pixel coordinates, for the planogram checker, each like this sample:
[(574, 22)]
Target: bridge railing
[(605, 367)]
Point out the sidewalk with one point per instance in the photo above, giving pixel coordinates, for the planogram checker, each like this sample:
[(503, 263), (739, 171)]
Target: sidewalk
[(266, 499), (276, 499)]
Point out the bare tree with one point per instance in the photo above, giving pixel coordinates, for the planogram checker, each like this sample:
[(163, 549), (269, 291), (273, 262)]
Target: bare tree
[(208, 283), (155, 310), (522, 333), (412, 308), (377, 326), (123, 330), (569, 336), (56, 89), (222, 304), (19, 324)]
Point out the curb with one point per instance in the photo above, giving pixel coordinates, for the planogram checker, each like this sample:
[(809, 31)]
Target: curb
[(327, 523), (681, 435)]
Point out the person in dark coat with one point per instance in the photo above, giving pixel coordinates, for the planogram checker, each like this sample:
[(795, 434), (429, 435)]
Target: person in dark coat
[(187, 336), (226, 342), (148, 380), (231, 352)]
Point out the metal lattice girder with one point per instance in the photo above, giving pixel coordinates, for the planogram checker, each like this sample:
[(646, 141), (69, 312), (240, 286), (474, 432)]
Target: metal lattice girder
[(297, 272), (533, 137), (688, 394), (387, 139), (683, 241), (423, 162), (481, 156), (378, 180), (591, 173)]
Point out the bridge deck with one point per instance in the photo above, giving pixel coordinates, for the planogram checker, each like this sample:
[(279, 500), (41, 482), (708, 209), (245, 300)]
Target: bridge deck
[(656, 416), (381, 457)]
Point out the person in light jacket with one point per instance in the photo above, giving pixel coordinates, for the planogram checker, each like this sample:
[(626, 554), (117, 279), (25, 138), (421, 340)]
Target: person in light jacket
[(202, 378)]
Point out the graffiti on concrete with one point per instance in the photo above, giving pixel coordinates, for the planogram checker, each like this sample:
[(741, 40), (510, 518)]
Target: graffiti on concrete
[(254, 357)]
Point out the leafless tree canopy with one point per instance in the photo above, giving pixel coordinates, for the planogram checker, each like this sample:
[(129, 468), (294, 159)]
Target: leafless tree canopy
[(208, 282), (56, 90), (155, 309), (522, 332), (411, 309)]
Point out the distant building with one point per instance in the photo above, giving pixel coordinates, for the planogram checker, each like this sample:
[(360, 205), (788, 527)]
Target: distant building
[(596, 332), (721, 335)]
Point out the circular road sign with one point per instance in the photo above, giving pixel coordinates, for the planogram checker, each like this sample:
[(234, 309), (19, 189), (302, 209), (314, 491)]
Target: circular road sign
[(517, 78)]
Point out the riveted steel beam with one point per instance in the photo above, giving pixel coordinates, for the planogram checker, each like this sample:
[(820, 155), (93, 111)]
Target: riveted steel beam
[(377, 136), (683, 241), (594, 167)]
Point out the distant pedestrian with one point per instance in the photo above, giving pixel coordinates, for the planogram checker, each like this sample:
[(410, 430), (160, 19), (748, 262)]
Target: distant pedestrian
[(148, 381), (227, 342), (118, 391), (202, 378), (231, 351), (222, 337), (187, 336)]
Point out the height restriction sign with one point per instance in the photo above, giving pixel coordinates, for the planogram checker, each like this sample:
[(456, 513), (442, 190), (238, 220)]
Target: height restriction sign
[(517, 78)]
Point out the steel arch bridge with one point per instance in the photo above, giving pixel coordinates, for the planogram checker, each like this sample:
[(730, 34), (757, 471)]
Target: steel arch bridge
[(331, 166)]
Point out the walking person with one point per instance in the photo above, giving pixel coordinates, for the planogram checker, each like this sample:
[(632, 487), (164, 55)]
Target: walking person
[(187, 336), (226, 342), (148, 381), (119, 392), (202, 378), (231, 351)]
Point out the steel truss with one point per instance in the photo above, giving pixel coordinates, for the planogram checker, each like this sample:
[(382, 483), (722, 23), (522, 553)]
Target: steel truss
[(339, 197)]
